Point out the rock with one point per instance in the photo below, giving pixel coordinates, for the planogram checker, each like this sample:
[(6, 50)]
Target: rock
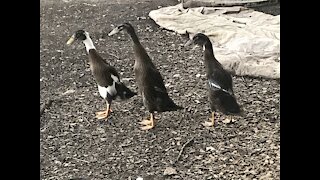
[(267, 176), (176, 75), (209, 148), (169, 171), (70, 91), (100, 130), (226, 120)]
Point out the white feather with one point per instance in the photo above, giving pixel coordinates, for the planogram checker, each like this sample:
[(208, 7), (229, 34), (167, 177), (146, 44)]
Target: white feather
[(214, 85), (88, 42), (115, 78), (110, 89), (102, 92), (218, 87)]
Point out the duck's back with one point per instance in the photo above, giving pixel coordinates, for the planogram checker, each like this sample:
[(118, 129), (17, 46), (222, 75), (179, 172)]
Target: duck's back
[(150, 84), (221, 95), (108, 78), (223, 102)]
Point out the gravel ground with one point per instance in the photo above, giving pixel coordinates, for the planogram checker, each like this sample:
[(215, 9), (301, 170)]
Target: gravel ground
[(73, 144)]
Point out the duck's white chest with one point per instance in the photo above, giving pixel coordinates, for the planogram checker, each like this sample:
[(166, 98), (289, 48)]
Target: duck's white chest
[(103, 91)]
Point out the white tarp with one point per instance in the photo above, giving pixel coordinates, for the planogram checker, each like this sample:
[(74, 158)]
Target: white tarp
[(245, 41)]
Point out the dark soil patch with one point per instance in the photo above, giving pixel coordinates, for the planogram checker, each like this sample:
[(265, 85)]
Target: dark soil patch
[(76, 145)]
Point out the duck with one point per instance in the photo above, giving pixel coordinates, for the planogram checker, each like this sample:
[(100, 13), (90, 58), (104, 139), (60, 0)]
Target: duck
[(220, 84), (110, 86), (149, 80)]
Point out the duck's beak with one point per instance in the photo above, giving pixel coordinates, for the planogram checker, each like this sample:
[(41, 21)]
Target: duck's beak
[(114, 31), (71, 40)]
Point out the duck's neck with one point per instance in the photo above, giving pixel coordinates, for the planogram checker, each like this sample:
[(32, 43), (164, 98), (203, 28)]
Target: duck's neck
[(133, 36), (140, 53), (94, 57), (89, 44), (209, 59)]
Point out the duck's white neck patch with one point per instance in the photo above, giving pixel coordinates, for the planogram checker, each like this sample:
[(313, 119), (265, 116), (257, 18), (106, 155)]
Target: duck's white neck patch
[(88, 42)]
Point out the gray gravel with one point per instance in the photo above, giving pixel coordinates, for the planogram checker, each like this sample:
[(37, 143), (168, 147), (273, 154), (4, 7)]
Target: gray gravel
[(73, 144)]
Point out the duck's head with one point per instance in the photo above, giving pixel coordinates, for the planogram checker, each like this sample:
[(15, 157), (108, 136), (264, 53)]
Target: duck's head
[(125, 26), (198, 39), (80, 35)]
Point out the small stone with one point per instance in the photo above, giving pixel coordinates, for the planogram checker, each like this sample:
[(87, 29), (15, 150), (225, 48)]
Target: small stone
[(210, 148), (101, 130), (176, 75), (266, 176), (103, 139), (70, 91), (169, 171), (226, 120), (58, 162)]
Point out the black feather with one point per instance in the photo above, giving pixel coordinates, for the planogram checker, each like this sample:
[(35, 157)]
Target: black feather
[(224, 102), (220, 83), (123, 91), (103, 72), (148, 78)]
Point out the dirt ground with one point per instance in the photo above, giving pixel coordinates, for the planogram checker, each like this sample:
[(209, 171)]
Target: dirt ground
[(74, 145)]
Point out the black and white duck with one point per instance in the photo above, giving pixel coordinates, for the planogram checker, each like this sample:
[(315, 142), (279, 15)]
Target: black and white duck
[(107, 78), (220, 85), (148, 78)]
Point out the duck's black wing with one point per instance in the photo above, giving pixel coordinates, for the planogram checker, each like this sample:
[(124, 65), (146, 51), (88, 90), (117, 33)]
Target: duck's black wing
[(106, 76), (221, 91), (155, 92), (220, 80)]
